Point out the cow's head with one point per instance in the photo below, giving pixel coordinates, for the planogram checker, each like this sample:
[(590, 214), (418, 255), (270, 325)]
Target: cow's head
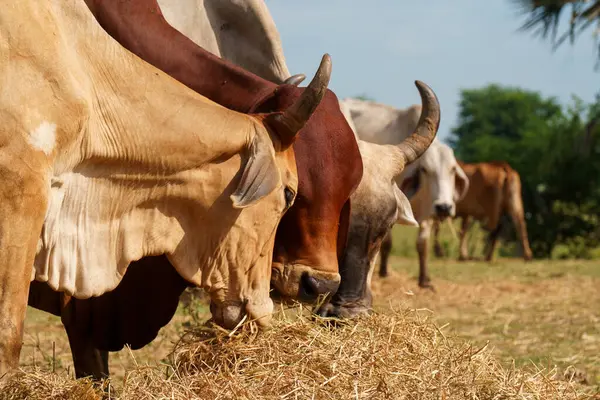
[(436, 181), (312, 234), (377, 205), (267, 188)]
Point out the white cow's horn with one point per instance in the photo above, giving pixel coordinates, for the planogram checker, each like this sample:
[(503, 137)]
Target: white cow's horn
[(413, 146)]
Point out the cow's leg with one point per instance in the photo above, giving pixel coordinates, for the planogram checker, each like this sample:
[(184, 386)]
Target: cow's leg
[(23, 203), (386, 249), (518, 219), (492, 242), (88, 360), (463, 251), (424, 232), (437, 247), (493, 221), (515, 209), (76, 316)]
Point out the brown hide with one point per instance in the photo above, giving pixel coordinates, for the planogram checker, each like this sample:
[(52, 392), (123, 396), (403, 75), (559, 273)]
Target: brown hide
[(312, 232), (307, 233), (494, 190)]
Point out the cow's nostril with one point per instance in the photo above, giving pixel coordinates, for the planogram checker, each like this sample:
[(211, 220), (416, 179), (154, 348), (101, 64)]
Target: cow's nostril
[(309, 285), (443, 210)]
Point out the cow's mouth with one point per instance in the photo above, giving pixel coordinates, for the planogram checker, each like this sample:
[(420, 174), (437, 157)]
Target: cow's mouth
[(303, 283), (230, 314)]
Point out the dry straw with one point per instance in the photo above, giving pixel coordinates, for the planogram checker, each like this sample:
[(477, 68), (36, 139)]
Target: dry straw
[(398, 355)]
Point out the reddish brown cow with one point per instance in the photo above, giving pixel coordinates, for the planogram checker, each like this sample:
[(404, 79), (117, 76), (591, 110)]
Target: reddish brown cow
[(310, 238), (494, 190)]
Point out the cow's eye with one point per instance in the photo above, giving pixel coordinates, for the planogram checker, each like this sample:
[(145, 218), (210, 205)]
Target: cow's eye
[(423, 170), (289, 196)]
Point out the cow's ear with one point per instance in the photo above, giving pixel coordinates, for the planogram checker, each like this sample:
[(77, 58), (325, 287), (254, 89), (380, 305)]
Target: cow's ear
[(405, 214), (260, 176), (461, 184), (410, 185)]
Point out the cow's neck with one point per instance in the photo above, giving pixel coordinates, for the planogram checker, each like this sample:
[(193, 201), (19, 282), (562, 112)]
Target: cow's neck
[(143, 30), (225, 83)]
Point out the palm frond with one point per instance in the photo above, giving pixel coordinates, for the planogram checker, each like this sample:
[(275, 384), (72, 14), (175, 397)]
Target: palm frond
[(544, 16)]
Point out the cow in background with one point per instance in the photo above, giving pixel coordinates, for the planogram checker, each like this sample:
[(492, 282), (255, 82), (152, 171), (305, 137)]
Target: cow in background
[(377, 205), (494, 190), (433, 183)]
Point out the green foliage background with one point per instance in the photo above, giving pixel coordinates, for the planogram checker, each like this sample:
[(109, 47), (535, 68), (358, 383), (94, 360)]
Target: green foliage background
[(556, 151)]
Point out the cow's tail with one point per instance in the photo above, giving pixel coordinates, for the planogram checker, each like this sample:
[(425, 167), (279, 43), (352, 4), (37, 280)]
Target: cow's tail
[(512, 191)]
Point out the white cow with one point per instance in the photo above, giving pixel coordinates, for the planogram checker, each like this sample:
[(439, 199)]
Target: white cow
[(106, 160), (434, 183)]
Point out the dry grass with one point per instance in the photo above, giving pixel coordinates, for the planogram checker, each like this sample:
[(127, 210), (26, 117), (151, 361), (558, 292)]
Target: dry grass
[(34, 384), (547, 313), (397, 355)]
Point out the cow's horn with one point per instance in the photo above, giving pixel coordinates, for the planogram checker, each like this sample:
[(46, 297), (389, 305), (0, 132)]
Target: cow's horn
[(413, 146), (295, 117), (295, 79)]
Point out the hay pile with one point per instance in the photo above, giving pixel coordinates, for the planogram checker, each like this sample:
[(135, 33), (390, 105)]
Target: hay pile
[(36, 385), (398, 355)]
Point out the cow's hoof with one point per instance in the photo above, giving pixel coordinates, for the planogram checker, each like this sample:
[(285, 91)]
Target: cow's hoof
[(426, 285), (383, 274), (342, 311), (463, 258)]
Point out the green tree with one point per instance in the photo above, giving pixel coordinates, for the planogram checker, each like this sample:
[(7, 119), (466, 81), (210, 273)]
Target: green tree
[(543, 18), (503, 123)]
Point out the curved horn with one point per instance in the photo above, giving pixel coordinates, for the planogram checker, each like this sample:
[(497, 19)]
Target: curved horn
[(413, 146), (295, 79), (295, 117)]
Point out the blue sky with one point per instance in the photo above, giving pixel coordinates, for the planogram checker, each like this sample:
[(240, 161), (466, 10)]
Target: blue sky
[(379, 47)]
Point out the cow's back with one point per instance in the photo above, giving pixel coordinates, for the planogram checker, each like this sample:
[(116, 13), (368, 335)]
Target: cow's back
[(381, 124), (240, 31), (491, 183), (486, 181)]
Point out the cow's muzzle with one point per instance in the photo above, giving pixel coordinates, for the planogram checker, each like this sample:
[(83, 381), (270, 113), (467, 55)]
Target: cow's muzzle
[(443, 210), (303, 283)]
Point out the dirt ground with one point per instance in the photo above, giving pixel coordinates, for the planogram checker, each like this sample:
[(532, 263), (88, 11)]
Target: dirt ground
[(541, 313)]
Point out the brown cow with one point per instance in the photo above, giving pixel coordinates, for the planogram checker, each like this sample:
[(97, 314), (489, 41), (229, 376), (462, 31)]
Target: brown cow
[(494, 190), (309, 239)]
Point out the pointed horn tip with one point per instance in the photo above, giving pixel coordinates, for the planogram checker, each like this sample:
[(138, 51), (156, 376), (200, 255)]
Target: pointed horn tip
[(325, 65), (427, 93), (426, 90), (295, 79)]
